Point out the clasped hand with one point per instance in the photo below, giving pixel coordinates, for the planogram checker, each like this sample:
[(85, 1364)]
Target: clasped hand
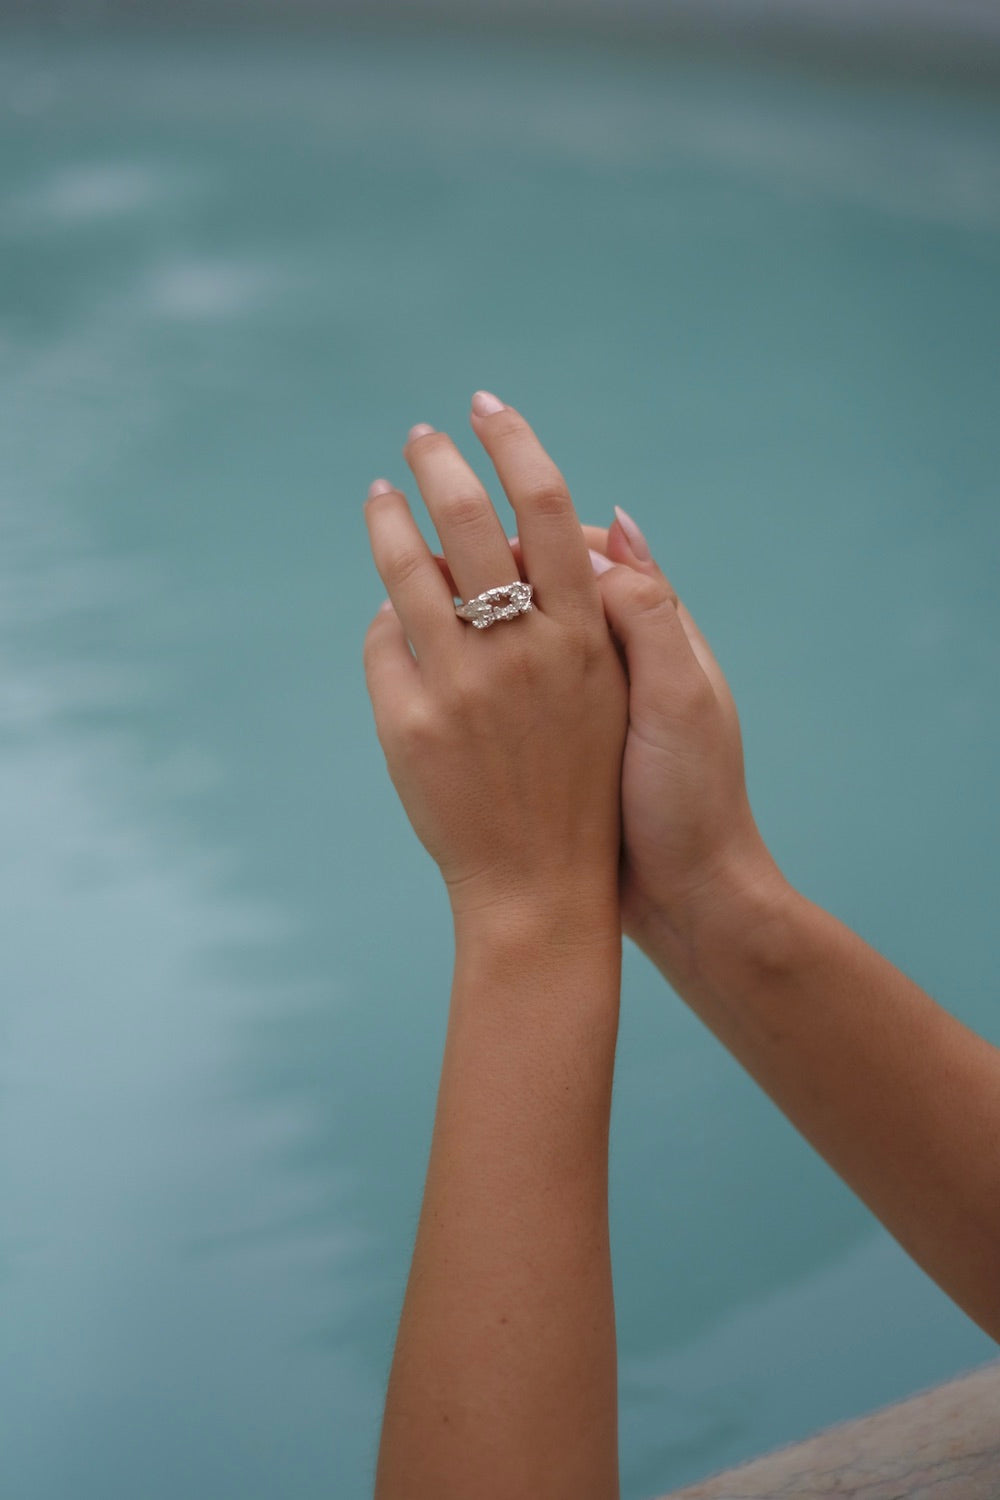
[(590, 746)]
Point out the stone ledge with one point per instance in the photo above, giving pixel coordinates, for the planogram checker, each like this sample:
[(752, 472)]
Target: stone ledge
[(943, 1444)]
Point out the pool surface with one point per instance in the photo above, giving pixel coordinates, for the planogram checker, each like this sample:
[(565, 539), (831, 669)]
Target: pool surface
[(760, 307)]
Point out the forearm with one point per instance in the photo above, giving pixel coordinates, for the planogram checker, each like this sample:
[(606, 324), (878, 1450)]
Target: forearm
[(503, 1382), (900, 1098)]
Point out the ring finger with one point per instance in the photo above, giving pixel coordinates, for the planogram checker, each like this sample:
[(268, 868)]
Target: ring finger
[(472, 538)]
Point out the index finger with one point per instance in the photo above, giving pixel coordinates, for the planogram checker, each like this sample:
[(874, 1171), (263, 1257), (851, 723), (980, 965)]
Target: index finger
[(556, 562)]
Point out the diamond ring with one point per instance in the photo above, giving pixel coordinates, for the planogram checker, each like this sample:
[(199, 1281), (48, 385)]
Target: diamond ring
[(504, 603)]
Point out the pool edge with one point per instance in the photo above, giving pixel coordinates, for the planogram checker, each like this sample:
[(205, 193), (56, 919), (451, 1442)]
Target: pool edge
[(945, 1440)]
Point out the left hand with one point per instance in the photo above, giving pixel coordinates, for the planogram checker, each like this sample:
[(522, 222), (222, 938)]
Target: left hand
[(505, 744)]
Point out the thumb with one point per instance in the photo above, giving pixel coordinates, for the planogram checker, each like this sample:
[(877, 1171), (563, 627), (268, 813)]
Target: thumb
[(627, 545), (642, 611), (639, 601)]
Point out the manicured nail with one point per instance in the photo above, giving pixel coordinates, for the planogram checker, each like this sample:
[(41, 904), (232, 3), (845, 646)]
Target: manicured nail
[(599, 562), (484, 404), (379, 487), (421, 430), (634, 537)]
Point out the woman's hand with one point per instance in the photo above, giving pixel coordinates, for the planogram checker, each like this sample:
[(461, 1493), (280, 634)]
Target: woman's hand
[(691, 846), (901, 1099), (505, 744)]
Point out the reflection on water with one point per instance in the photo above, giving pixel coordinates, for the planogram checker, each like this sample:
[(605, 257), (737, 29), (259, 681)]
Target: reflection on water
[(91, 191), (234, 276), (178, 1268)]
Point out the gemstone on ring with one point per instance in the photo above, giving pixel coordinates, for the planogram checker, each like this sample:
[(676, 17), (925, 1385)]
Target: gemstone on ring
[(503, 603)]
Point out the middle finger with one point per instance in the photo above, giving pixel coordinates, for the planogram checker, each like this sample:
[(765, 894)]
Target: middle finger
[(472, 538)]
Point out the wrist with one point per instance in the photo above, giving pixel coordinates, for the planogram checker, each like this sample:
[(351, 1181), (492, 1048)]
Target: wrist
[(541, 945), (556, 915), (739, 920)]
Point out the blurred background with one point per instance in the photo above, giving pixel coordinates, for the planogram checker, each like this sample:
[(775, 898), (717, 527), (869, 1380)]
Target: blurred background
[(738, 264)]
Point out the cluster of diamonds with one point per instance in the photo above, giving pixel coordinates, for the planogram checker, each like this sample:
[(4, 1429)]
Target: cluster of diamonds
[(497, 604)]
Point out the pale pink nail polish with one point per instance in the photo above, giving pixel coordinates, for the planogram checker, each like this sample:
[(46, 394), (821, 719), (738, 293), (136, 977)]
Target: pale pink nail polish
[(634, 537), (421, 430), (484, 404), (599, 562), (379, 487)]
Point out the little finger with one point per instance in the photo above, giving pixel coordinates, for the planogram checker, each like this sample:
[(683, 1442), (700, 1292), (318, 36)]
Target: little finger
[(407, 568)]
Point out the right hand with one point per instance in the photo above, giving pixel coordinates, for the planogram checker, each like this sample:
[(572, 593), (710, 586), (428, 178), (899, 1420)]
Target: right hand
[(691, 848), (505, 745)]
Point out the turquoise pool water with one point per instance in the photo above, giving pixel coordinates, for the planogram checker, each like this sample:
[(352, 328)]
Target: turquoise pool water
[(760, 307)]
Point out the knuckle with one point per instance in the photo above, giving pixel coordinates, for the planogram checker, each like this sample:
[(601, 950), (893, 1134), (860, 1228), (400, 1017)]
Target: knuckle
[(649, 597), (521, 664), (465, 697), (404, 566), (415, 724), (465, 512), (488, 684), (548, 497), (462, 683)]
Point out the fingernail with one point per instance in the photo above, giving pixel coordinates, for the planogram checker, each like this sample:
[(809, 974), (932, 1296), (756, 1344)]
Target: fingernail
[(421, 430), (484, 404), (385, 607), (634, 537), (379, 487), (599, 562)]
